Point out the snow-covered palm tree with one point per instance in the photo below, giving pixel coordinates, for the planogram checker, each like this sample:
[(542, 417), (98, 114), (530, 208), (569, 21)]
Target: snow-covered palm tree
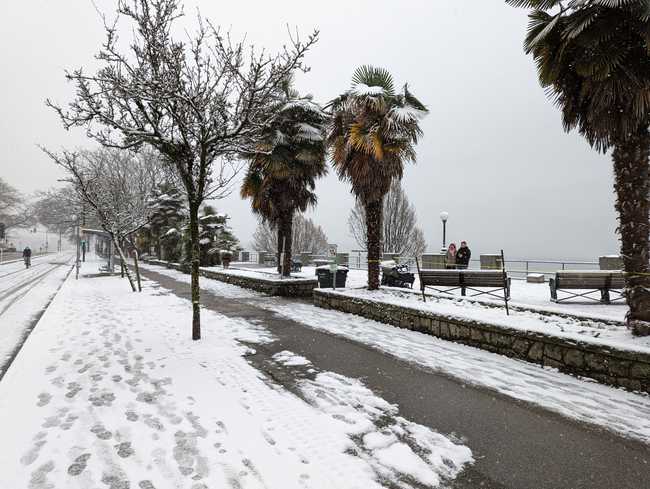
[(373, 133), (282, 172)]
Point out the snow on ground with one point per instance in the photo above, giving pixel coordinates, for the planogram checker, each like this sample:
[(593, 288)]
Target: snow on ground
[(400, 447), (522, 293), (549, 320), (581, 399), (267, 273), (109, 390), (24, 293), (588, 330)]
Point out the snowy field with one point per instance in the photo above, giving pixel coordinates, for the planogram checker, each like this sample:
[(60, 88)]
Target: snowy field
[(24, 293), (109, 391), (580, 399)]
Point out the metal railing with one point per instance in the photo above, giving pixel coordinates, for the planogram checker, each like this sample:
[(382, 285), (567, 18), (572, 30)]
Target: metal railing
[(516, 268), (358, 259)]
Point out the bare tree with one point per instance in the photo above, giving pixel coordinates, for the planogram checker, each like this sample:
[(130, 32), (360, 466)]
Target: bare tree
[(306, 236), (200, 103), (54, 208), (400, 233), (13, 210), (117, 186)]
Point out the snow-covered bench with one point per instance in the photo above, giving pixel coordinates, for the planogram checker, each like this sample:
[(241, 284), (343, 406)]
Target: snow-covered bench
[(584, 283), (447, 281)]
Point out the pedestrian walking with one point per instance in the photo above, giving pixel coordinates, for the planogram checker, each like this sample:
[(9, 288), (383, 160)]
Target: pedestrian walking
[(450, 259), (27, 256), (463, 255)]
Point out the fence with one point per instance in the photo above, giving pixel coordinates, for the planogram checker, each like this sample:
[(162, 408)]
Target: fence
[(516, 268), (358, 259)]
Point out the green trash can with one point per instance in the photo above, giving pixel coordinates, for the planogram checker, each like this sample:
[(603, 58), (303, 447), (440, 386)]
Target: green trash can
[(326, 277)]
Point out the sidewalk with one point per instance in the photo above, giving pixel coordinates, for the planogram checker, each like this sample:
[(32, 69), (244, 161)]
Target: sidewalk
[(109, 391), (458, 389)]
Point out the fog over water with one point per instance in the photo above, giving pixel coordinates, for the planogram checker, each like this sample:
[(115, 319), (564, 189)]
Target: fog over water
[(494, 154)]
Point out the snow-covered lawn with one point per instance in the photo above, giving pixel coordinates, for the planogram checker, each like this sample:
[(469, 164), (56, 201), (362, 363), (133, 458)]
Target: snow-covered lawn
[(581, 399), (264, 273), (24, 293), (535, 296), (569, 327), (109, 391)]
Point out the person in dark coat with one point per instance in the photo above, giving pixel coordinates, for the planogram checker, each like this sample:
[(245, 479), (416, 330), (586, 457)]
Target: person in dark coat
[(27, 256), (463, 255)]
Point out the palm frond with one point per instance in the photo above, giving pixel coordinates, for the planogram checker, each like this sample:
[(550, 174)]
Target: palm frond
[(373, 77)]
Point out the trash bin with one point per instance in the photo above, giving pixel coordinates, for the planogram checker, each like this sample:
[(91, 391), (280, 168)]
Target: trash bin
[(325, 277)]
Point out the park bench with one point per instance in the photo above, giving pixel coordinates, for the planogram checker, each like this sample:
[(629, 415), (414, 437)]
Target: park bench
[(585, 283), (446, 281)]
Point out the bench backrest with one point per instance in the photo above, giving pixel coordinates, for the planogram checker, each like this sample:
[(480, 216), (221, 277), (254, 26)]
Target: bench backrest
[(457, 278), (589, 280)]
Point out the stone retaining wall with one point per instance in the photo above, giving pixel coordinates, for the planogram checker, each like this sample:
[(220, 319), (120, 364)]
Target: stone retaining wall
[(271, 286), (604, 364)]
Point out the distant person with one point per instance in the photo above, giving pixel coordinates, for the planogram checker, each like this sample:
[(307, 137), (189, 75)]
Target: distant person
[(463, 255), (450, 259), (27, 256)]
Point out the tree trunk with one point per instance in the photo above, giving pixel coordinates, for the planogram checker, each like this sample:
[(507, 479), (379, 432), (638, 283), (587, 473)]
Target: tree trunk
[(137, 268), (373, 221), (194, 257), (278, 258), (124, 268), (632, 184), (287, 230)]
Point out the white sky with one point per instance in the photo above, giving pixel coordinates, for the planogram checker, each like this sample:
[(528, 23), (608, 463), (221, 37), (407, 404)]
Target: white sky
[(494, 152)]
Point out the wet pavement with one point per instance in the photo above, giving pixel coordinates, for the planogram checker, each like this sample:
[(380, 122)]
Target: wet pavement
[(515, 445)]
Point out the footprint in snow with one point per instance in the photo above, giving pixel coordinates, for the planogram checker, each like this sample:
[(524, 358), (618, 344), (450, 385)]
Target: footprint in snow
[(101, 432), (79, 464), (44, 399), (124, 449)]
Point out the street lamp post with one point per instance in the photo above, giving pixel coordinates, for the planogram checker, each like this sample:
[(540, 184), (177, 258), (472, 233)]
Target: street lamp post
[(444, 215), (77, 261)]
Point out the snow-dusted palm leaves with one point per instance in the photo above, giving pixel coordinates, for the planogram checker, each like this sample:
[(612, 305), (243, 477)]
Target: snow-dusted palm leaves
[(373, 132), (282, 174), (593, 58)]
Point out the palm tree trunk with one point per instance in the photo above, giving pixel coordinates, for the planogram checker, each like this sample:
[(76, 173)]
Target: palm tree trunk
[(373, 221), (287, 230), (278, 256), (632, 185), (195, 257)]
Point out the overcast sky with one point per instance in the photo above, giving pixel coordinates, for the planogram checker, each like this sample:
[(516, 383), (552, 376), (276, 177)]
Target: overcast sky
[(494, 154)]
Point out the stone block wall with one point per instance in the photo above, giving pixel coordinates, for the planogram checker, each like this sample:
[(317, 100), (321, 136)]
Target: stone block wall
[(610, 263), (433, 261), (270, 286), (284, 288), (604, 364)]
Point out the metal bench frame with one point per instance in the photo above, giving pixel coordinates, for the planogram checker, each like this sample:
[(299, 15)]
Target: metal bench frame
[(465, 286), (619, 293)]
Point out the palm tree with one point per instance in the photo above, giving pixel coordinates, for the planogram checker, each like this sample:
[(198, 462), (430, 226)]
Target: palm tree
[(593, 57), (373, 132), (282, 173)]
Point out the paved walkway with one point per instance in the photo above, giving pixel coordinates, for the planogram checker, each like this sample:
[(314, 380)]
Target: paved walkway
[(515, 445)]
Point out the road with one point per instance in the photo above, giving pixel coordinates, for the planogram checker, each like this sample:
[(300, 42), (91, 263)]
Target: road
[(9, 256), (24, 295), (515, 445)]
